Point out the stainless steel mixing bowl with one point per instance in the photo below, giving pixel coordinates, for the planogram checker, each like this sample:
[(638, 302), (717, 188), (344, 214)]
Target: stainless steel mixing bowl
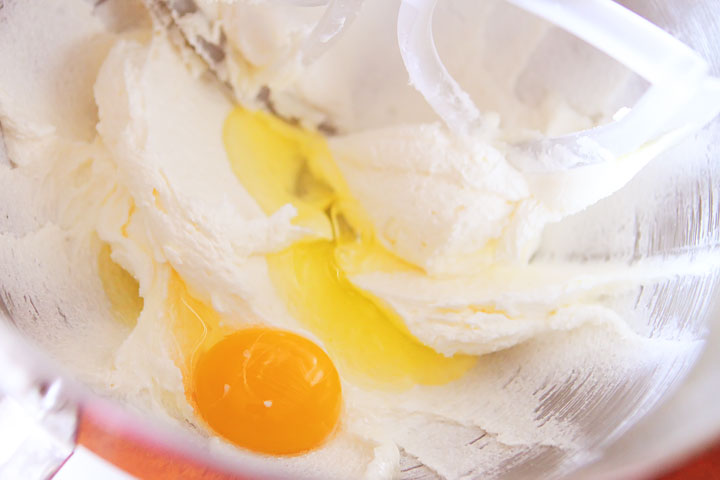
[(629, 428)]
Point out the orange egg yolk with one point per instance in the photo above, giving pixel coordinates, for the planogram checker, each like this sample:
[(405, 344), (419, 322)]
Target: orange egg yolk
[(268, 390), (264, 389)]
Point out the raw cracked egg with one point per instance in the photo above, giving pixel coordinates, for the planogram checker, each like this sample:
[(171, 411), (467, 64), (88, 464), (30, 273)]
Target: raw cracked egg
[(273, 391)]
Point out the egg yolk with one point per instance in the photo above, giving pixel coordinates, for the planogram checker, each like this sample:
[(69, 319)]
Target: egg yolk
[(263, 389), (268, 390), (278, 163)]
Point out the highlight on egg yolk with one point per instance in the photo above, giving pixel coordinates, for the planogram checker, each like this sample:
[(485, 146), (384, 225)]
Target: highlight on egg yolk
[(278, 163), (268, 390)]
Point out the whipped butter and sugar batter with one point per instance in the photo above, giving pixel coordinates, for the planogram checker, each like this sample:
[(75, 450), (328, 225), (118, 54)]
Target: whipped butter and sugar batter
[(399, 251)]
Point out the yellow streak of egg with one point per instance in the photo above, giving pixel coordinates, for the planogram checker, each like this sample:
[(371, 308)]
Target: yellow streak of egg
[(121, 288), (196, 326), (279, 164)]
